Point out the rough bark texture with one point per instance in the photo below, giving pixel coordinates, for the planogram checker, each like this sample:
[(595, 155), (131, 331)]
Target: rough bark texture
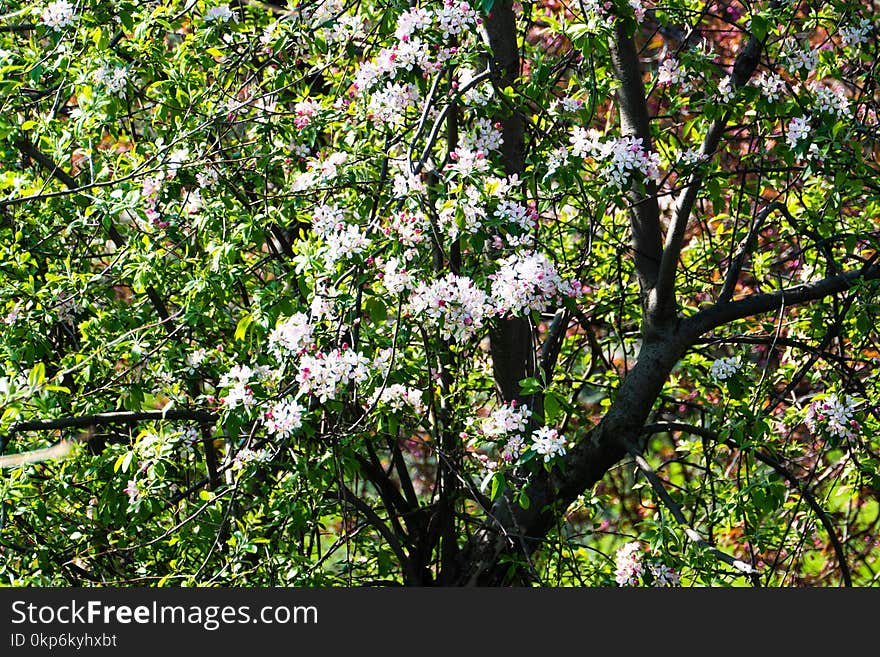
[(647, 239), (514, 530), (511, 339)]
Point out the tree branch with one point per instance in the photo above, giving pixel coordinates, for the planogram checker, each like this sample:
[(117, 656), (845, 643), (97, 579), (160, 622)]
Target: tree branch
[(647, 240), (114, 417), (757, 304), (745, 248), (21, 27), (663, 304)]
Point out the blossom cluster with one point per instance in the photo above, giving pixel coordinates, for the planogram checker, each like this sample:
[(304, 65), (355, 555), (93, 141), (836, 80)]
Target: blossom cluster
[(516, 213), (829, 101), (58, 15), (628, 564), (801, 58), (304, 111), (112, 78), (395, 276), (484, 136), (324, 374), (797, 131), (318, 171), (291, 336), (663, 576), (237, 381), (398, 397), (509, 418), (724, 368), (246, 455), (411, 51), (630, 567), (465, 213), (455, 303), (772, 86), (620, 157), (221, 13), (511, 422), (672, 73), (853, 35), (341, 240), (284, 417), (389, 106), (527, 281), (407, 228), (833, 415), (566, 104), (548, 443)]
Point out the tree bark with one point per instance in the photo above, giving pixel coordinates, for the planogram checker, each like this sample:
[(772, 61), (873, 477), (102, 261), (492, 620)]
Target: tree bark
[(511, 339)]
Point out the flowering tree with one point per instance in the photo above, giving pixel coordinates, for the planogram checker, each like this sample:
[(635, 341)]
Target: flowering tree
[(439, 292)]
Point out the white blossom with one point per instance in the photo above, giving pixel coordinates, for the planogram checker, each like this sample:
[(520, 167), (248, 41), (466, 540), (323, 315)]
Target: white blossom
[(671, 72), (527, 281), (221, 13), (454, 17), (663, 575), (246, 455), (726, 90), (284, 418), (389, 105), (548, 443), (853, 35), (724, 368), (398, 397), (772, 86), (829, 101), (484, 136), (798, 130), (412, 21), (517, 214), (324, 374), (291, 336), (113, 79), (58, 15), (509, 418), (628, 564), (619, 157), (833, 415), (455, 303), (395, 277)]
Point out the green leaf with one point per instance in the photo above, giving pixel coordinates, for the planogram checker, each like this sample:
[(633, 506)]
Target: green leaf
[(497, 486), (123, 462), (241, 328), (487, 5), (37, 375), (552, 408), (377, 310), (29, 125), (530, 386), (759, 26), (734, 387)]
